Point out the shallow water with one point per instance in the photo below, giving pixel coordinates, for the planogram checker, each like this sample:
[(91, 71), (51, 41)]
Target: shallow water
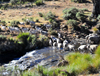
[(47, 56)]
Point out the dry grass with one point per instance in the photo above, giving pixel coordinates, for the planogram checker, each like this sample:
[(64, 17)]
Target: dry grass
[(15, 14)]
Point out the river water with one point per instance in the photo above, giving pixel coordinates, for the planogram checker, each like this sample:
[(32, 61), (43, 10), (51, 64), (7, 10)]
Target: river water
[(48, 56)]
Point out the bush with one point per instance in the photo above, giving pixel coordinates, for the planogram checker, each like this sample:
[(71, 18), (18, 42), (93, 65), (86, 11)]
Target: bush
[(3, 8), (23, 37), (55, 24), (80, 16), (44, 40), (14, 23), (70, 13), (37, 20), (32, 39), (73, 13), (39, 2), (49, 15), (72, 23), (31, 19), (28, 41), (40, 14), (13, 2), (3, 23)]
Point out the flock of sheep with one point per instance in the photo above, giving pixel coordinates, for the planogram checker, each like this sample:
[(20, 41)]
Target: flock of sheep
[(34, 30), (59, 41), (84, 48)]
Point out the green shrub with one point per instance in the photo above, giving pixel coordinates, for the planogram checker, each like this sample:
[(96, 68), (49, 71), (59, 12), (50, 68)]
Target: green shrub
[(70, 13), (44, 40), (28, 41), (24, 19), (23, 37), (55, 24), (40, 14), (14, 23), (32, 39), (73, 23), (51, 20), (73, 13), (37, 20), (39, 2), (49, 15), (3, 23), (3, 8), (31, 19), (65, 10), (80, 16), (13, 2)]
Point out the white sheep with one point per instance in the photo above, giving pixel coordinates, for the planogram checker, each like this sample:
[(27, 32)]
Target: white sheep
[(59, 45), (50, 42), (54, 44), (17, 30), (60, 35), (22, 23), (92, 47), (65, 43), (71, 47), (82, 48), (3, 27), (53, 39), (58, 40)]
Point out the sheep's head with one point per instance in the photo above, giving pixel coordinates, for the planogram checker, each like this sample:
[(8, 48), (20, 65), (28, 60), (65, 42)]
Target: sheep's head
[(88, 46)]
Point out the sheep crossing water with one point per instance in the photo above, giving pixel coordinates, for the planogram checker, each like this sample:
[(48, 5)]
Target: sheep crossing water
[(80, 45)]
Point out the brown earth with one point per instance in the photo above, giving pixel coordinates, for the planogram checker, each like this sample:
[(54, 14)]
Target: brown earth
[(56, 7)]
